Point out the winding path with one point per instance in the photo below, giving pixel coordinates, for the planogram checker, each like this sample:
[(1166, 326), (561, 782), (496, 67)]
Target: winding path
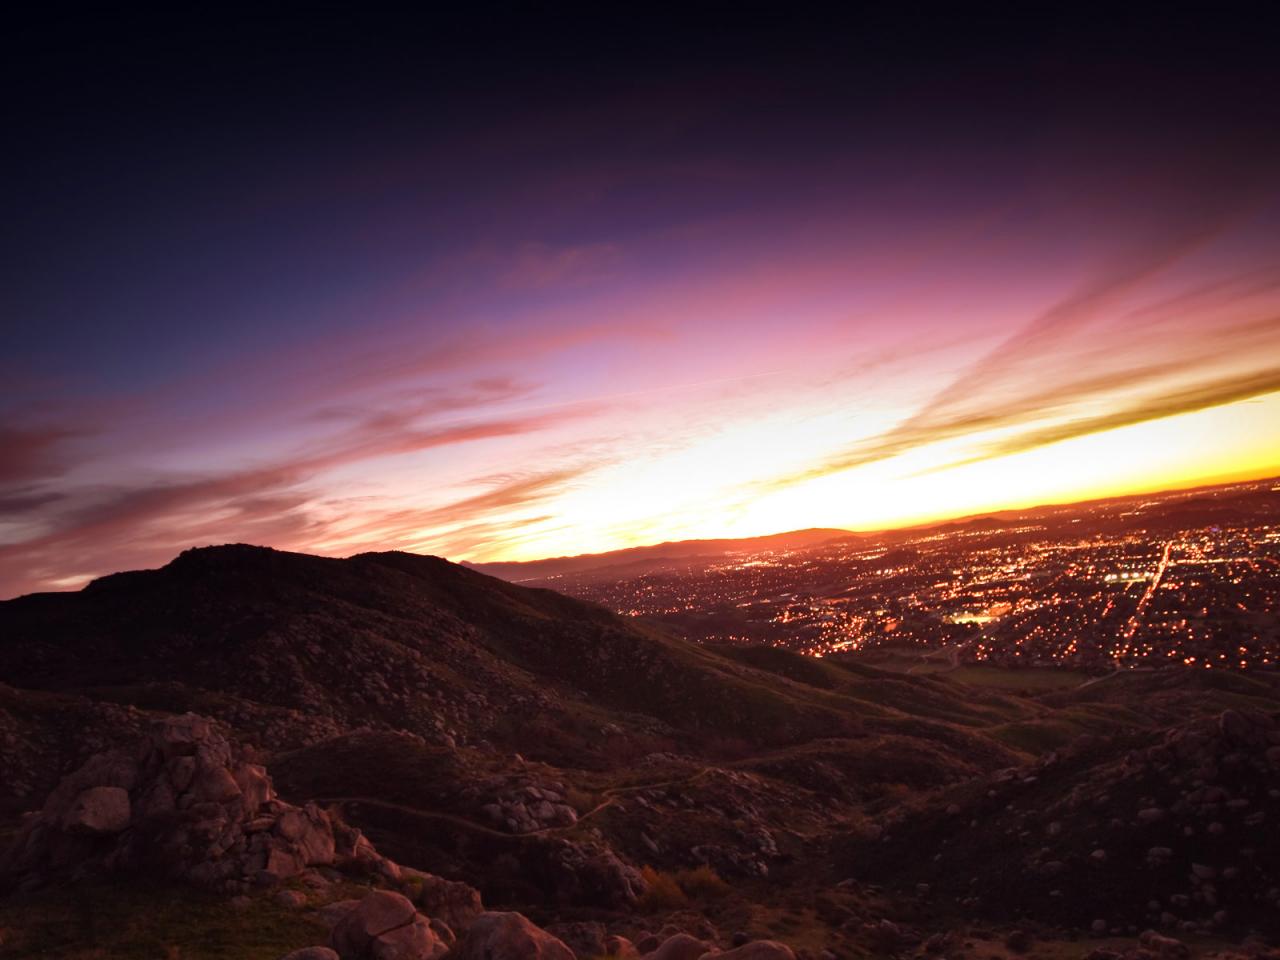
[(610, 798)]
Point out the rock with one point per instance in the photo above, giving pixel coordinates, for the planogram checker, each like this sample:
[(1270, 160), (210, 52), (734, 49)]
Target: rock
[(456, 903), (586, 939), (681, 946), (255, 786), (591, 873), (183, 803), (312, 953), (98, 811), (1166, 948), (1098, 927), (416, 940), (620, 947), (293, 899), (508, 936), (331, 913), (380, 912), (756, 950), (214, 785), (443, 931)]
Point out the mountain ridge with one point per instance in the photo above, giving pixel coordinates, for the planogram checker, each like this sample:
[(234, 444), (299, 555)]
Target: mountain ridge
[(524, 570)]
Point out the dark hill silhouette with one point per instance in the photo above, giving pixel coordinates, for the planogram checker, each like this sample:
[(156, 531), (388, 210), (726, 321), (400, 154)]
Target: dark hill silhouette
[(408, 641), (291, 649)]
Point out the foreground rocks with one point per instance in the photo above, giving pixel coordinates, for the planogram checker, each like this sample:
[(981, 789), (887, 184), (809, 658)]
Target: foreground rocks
[(182, 802), (509, 936), (386, 926)]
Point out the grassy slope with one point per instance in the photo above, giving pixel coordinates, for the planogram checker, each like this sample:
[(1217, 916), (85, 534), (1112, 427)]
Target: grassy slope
[(137, 920)]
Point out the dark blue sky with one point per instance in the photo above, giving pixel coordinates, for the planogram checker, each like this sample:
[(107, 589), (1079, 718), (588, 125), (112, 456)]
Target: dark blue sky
[(261, 257)]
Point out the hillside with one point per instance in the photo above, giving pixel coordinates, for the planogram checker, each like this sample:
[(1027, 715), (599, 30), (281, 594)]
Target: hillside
[(575, 765)]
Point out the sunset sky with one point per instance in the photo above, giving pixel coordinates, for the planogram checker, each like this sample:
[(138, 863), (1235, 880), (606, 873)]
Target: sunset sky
[(520, 286)]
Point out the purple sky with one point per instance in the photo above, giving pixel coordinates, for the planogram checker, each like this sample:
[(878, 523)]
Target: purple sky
[(510, 290)]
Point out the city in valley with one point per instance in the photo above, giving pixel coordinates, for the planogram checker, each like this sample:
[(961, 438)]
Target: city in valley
[(1189, 578)]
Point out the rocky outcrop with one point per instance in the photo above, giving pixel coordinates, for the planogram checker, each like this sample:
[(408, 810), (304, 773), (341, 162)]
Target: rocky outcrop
[(447, 901), (509, 936), (186, 803), (385, 926), (682, 946), (518, 804), (593, 873)]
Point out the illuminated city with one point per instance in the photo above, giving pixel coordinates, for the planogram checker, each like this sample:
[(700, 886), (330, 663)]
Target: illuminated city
[(1190, 579)]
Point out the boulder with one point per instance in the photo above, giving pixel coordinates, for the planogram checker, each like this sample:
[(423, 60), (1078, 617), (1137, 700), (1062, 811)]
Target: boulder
[(682, 946), (444, 932), (331, 913), (508, 936), (620, 947), (416, 940), (380, 912), (98, 811), (291, 899), (451, 901)]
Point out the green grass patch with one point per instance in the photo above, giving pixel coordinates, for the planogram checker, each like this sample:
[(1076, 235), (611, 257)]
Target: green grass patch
[(131, 920)]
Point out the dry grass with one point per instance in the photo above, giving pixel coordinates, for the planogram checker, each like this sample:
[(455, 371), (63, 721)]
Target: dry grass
[(662, 891), (672, 891)]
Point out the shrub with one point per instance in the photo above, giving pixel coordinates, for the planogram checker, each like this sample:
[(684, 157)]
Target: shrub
[(662, 892), (702, 882), (670, 891)]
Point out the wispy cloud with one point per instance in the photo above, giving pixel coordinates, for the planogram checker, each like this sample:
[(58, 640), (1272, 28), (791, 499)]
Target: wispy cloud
[(96, 531), (1040, 386), (1190, 399), (33, 453)]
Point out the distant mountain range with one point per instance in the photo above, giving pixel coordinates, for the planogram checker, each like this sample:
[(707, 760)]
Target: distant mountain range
[(1220, 503), (636, 560)]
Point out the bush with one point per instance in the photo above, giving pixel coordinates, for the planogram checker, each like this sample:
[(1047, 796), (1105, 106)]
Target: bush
[(662, 891), (702, 882), (671, 891)]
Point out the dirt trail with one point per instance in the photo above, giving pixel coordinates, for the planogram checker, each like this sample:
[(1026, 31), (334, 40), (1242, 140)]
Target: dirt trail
[(610, 795)]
